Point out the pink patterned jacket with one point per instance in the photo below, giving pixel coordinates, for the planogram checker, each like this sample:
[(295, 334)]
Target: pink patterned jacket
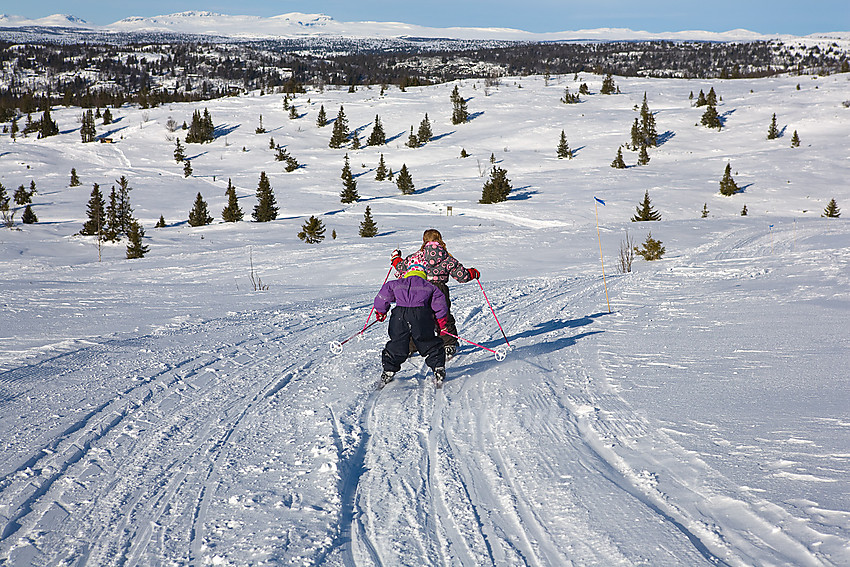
[(439, 264)]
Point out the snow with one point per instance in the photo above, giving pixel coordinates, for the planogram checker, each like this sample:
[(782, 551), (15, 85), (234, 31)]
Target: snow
[(161, 411)]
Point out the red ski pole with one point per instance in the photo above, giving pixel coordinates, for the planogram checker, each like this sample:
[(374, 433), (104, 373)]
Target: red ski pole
[(493, 311), (336, 346), (500, 354), (373, 305)]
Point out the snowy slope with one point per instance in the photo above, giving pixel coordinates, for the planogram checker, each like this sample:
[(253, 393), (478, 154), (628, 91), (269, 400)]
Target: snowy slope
[(161, 411)]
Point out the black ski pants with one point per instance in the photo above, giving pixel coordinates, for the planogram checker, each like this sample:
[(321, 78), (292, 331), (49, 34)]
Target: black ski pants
[(417, 325)]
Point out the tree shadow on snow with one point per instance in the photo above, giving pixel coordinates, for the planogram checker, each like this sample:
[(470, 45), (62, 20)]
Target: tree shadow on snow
[(223, 130), (743, 188), (362, 173), (397, 136), (665, 137), (427, 189), (196, 156), (435, 138), (473, 116), (522, 193)]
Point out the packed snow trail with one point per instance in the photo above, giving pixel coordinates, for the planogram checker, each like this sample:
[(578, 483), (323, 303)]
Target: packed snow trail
[(243, 440)]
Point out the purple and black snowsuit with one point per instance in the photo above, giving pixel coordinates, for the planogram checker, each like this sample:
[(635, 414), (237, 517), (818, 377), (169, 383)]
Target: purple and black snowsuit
[(439, 265), (418, 304)]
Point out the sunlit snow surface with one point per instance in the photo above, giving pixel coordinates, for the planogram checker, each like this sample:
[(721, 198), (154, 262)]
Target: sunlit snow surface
[(160, 411)]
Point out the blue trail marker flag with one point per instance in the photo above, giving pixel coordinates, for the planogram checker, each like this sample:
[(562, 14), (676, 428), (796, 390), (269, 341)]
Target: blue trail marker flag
[(598, 200)]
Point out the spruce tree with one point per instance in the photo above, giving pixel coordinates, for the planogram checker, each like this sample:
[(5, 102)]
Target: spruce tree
[(497, 188), (24, 197), (349, 184), (832, 211), (744, 211), (635, 135), (112, 230), (368, 228), (608, 86), (564, 150), (643, 157), (381, 171), (705, 210), (727, 183), (293, 112), (339, 135), (652, 249), (107, 117), (47, 127), (187, 168), (29, 216), (95, 213), (710, 118), (355, 140), (405, 181), (459, 112), (322, 118), (125, 211), (6, 212), (772, 130), (425, 133), (645, 212), (648, 132), (87, 130), (75, 181), (795, 140), (266, 208), (179, 153), (711, 98), (377, 137), (199, 215), (135, 248), (312, 231), (160, 223), (701, 99), (412, 140), (232, 212), (618, 162)]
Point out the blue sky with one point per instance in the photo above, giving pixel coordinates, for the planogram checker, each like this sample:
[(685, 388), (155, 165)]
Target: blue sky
[(797, 17)]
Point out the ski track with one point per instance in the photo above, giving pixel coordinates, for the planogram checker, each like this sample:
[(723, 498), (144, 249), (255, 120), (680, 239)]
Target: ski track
[(212, 454)]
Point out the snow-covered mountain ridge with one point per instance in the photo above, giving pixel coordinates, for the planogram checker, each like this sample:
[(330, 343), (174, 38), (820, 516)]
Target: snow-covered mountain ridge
[(298, 25)]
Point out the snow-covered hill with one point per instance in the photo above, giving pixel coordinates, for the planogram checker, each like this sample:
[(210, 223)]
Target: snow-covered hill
[(161, 411), (300, 25)]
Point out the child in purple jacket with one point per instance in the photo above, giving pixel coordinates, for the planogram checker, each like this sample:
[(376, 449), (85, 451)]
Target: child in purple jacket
[(418, 304)]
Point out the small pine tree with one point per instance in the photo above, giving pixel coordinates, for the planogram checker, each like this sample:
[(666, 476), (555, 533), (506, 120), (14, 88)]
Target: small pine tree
[(135, 248), (232, 212), (564, 150), (95, 212), (349, 184), (322, 118), (75, 181), (312, 231), (635, 135), (199, 215), (608, 86), (260, 129), (381, 171), (112, 231), (795, 140), (87, 130), (107, 117), (704, 209), (377, 137), (744, 211), (618, 162), (22, 196), (368, 228), (728, 186), (772, 130), (355, 140), (701, 99), (272, 144), (405, 181), (643, 157), (47, 127), (710, 118), (293, 112), (187, 168), (497, 188), (160, 223), (569, 98), (652, 249), (463, 153), (412, 140), (648, 132), (266, 208), (459, 111), (179, 152), (645, 212), (832, 211), (339, 135), (711, 98), (29, 216)]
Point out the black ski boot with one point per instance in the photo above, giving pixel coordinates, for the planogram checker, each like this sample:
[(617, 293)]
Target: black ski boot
[(386, 378), (439, 376)]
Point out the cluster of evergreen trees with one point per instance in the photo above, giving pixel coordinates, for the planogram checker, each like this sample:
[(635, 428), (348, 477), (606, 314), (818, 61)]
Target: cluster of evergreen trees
[(109, 222), (201, 129)]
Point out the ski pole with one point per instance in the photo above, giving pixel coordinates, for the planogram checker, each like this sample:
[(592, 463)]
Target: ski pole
[(500, 354), (373, 306), (494, 312), (336, 346)]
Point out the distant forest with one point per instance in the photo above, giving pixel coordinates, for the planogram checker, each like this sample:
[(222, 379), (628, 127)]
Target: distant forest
[(84, 74)]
